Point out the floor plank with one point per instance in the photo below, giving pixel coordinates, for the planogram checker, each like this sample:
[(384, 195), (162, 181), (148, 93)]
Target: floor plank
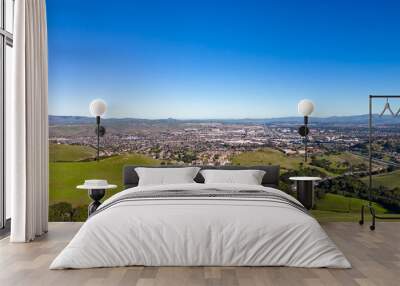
[(375, 257)]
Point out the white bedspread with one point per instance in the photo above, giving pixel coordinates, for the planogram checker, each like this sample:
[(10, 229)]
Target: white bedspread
[(200, 231)]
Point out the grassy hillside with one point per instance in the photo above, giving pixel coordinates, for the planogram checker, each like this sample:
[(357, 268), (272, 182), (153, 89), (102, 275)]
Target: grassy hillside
[(339, 208), (330, 208), (70, 153), (339, 158), (267, 156), (341, 161), (65, 176), (389, 180)]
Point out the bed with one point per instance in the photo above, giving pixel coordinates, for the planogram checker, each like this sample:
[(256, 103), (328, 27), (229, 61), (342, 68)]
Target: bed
[(198, 224)]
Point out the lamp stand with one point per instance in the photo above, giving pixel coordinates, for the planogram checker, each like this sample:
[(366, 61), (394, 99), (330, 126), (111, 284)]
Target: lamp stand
[(303, 131), (98, 137), (305, 138)]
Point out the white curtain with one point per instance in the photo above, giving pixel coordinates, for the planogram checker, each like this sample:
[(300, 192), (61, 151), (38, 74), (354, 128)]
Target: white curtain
[(28, 123)]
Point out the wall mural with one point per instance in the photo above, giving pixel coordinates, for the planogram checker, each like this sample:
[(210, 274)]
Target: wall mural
[(338, 154), (184, 91)]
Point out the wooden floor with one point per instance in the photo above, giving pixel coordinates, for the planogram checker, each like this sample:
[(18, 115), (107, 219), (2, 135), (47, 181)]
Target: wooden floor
[(375, 257)]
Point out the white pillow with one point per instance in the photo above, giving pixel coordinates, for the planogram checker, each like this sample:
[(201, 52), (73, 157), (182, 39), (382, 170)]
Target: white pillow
[(248, 177), (165, 176)]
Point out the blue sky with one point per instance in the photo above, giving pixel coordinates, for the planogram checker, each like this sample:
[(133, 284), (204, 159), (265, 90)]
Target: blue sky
[(221, 59)]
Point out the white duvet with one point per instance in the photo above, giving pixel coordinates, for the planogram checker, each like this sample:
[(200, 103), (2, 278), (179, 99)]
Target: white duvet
[(199, 231)]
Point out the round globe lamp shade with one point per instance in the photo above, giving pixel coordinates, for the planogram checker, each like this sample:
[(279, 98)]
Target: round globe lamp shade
[(98, 107), (305, 107)]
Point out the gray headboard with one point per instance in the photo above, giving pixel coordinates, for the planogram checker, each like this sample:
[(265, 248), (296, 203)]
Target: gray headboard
[(271, 177)]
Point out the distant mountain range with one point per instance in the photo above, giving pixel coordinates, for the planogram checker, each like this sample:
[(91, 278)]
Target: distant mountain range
[(333, 120)]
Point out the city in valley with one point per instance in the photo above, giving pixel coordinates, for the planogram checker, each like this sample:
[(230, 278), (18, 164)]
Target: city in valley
[(214, 142)]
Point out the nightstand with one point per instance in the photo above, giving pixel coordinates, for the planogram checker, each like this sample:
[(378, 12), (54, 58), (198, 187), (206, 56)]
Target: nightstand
[(96, 191), (305, 190)]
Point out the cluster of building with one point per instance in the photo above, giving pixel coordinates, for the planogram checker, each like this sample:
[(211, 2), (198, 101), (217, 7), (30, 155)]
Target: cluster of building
[(213, 143)]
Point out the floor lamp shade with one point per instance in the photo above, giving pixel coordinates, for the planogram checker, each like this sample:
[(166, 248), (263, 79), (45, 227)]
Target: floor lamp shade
[(98, 107), (305, 107)]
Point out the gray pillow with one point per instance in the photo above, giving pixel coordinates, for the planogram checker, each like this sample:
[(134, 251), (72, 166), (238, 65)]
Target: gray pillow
[(166, 176), (248, 177)]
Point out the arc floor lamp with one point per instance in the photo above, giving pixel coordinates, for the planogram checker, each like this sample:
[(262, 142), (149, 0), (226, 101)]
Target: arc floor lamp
[(97, 108)]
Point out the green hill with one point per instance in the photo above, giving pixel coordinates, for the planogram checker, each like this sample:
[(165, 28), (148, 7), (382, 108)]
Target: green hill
[(65, 176), (70, 153), (267, 156), (339, 158), (331, 207), (389, 180), (334, 207), (342, 162)]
